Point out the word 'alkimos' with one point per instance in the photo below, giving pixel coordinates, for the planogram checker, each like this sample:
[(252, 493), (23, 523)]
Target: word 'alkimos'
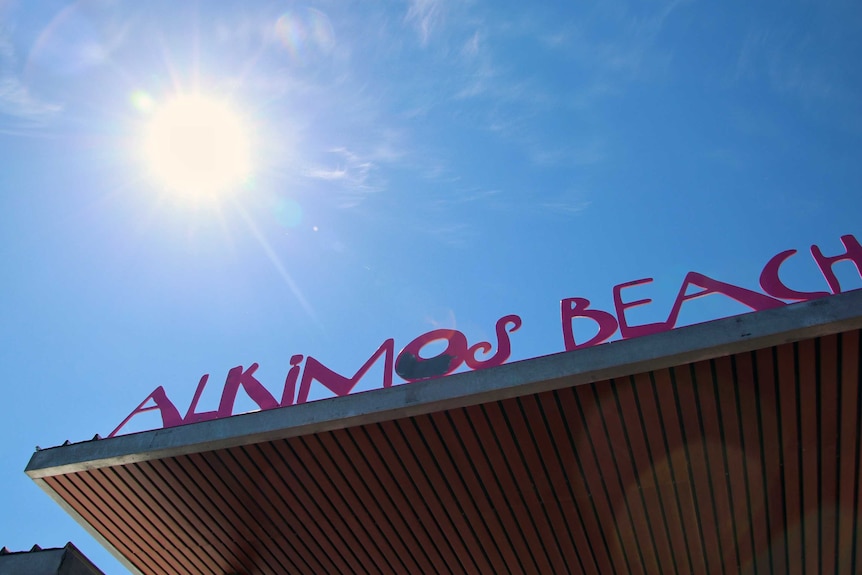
[(411, 366)]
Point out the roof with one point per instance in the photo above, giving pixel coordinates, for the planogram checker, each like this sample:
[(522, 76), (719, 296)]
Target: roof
[(722, 447), (66, 560)]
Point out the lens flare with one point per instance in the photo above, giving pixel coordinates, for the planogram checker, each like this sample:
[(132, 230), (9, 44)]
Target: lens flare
[(287, 212), (303, 32), (142, 101)]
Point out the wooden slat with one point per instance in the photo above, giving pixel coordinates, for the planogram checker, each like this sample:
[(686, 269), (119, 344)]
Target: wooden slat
[(191, 517), (93, 512), (589, 510), (856, 546), (790, 456), (344, 450), (773, 496), (509, 443), (132, 502), (446, 533), (714, 451), (225, 512), (465, 532), (738, 531), (187, 537), (297, 506), (468, 469), (631, 543), (828, 455), (421, 514), (809, 460), (385, 548), (121, 514), (542, 469), (620, 448), (210, 518), (332, 496), (286, 532), (631, 415), (659, 458), (679, 464), (393, 501), (462, 421), (699, 471), (848, 470), (441, 453)]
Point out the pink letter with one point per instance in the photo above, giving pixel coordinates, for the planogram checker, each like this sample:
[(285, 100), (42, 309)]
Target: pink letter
[(754, 300), (607, 322), (772, 284), (255, 390), (170, 415), (853, 253), (504, 347), (290, 381), (411, 366), (338, 383), (626, 330), (191, 416)]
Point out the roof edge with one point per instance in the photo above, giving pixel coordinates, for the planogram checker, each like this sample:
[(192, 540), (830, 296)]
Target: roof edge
[(741, 333)]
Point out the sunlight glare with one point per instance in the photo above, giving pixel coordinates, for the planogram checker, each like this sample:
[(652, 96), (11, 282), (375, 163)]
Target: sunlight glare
[(197, 147)]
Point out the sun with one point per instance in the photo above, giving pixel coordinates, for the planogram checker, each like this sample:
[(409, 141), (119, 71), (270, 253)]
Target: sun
[(197, 147)]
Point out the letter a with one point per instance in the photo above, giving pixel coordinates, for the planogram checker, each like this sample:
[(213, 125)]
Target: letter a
[(170, 416), (772, 284), (754, 300)]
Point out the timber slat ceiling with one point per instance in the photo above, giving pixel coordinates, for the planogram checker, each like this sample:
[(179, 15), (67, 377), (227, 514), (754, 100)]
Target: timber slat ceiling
[(745, 463)]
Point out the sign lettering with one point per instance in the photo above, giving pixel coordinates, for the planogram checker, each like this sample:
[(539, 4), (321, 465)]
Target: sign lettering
[(411, 366)]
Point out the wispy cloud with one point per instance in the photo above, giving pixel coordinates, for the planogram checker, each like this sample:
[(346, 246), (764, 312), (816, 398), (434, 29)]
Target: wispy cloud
[(350, 168), (16, 100), (585, 154), (354, 175), (462, 196), (781, 58), (565, 206), (424, 15), (453, 234), (796, 65), (608, 64)]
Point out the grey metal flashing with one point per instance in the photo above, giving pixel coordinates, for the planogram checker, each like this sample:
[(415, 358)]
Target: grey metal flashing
[(717, 338)]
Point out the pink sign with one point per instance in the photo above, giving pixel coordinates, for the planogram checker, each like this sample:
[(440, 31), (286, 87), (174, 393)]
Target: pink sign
[(411, 366)]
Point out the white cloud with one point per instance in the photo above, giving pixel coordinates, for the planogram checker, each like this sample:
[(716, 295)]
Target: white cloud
[(788, 62), (471, 46), (15, 98), (566, 207), (425, 15), (587, 153), (353, 174)]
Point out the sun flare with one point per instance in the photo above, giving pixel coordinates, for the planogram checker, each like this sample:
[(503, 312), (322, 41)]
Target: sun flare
[(197, 147)]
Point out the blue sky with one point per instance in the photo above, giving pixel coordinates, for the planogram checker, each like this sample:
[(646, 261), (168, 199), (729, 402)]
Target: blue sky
[(418, 164)]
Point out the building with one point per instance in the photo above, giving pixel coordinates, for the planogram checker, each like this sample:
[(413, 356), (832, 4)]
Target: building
[(730, 446), (66, 560)]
